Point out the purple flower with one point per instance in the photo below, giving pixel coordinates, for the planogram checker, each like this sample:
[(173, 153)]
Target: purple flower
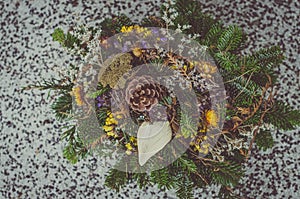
[(100, 101), (163, 39), (125, 49), (155, 31), (144, 44)]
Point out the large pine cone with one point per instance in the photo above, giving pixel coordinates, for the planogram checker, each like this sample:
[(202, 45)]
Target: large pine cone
[(142, 93)]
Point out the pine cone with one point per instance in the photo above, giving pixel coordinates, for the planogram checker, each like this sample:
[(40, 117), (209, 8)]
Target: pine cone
[(142, 93)]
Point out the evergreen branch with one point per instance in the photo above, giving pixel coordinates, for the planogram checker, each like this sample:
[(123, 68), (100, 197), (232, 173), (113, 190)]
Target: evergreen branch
[(142, 179), (244, 91), (283, 116), (214, 33), (227, 60), (52, 84), (264, 140), (226, 193), (184, 187), (188, 13), (257, 105), (116, 179), (162, 178), (230, 39), (227, 173), (268, 58), (62, 106), (75, 148)]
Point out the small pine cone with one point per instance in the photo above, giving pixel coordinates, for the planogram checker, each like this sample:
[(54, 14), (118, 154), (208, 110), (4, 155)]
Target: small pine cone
[(142, 93)]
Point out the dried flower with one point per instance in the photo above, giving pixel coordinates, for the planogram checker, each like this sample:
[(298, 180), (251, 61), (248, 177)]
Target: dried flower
[(117, 67), (77, 93), (211, 118)]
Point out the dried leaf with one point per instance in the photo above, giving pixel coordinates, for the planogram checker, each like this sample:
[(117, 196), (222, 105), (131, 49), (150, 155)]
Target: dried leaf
[(151, 138)]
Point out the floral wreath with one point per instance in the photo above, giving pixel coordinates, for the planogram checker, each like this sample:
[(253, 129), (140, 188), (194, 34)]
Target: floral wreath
[(252, 110)]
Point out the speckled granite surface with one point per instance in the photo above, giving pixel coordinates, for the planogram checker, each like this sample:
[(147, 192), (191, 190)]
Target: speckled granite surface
[(31, 163)]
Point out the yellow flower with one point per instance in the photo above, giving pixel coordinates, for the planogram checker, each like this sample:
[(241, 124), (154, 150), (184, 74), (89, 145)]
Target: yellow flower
[(76, 91), (185, 67), (192, 64), (211, 118), (128, 152), (126, 29), (174, 67), (128, 146), (133, 140), (119, 116), (197, 147), (110, 121), (203, 150), (108, 128), (138, 29), (112, 134), (137, 52)]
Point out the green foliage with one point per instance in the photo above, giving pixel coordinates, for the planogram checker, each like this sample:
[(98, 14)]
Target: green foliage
[(230, 39), (213, 35), (184, 187), (186, 164), (184, 169), (188, 127), (264, 140), (65, 39), (75, 148), (267, 60), (62, 106), (227, 60), (244, 91), (162, 178), (116, 179), (189, 13), (59, 36), (283, 116), (227, 173), (142, 179), (100, 91), (113, 25), (226, 193), (53, 84), (102, 115)]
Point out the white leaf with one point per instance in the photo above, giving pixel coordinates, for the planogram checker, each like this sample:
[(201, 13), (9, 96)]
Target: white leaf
[(151, 138)]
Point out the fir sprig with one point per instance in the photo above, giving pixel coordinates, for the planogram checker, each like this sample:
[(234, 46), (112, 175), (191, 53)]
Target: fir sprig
[(264, 140), (226, 173), (283, 116)]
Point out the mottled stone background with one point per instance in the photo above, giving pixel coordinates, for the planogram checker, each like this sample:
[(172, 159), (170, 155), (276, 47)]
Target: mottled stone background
[(31, 163)]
